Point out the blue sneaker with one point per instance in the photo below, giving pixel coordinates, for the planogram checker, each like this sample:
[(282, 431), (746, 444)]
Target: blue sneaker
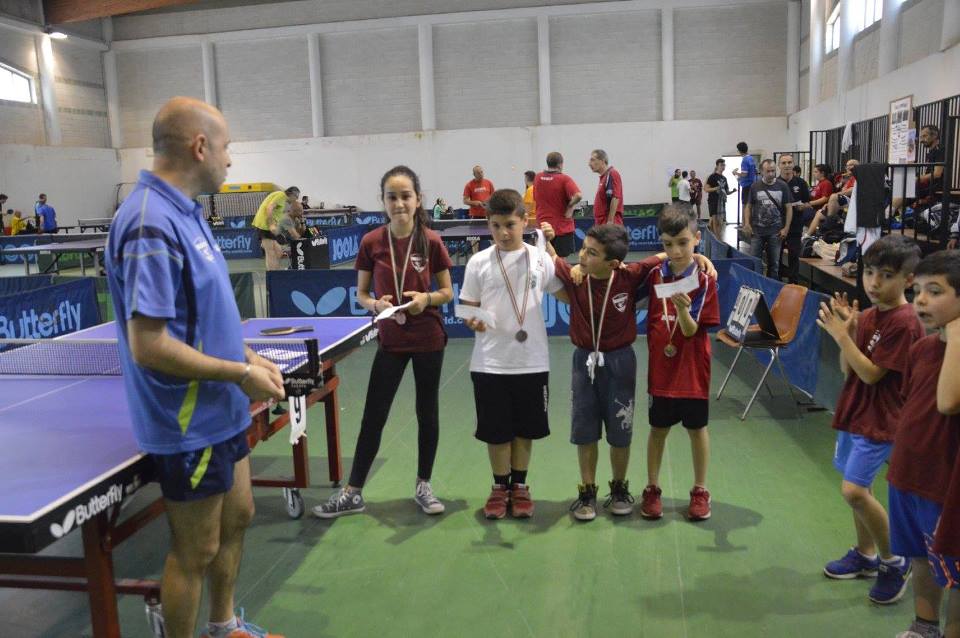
[(853, 565), (891, 582)]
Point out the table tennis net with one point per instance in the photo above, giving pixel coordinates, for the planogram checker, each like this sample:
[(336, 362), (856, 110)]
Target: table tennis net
[(101, 357)]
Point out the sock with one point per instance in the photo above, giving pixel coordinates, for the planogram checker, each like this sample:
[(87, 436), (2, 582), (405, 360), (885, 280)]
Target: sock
[(518, 476), (216, 629), (896, 561), (503, 480), (928, 628), (867, 556)]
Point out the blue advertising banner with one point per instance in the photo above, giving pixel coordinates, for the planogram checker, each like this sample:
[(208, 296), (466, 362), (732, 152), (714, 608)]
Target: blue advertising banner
[(50, 312), (641, 230), (238, 243), (344, 242), (360, 218), (16, 241), (799, 358), (14, 285)]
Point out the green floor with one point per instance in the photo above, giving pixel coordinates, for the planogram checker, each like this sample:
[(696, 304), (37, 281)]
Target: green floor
[(754, 569)]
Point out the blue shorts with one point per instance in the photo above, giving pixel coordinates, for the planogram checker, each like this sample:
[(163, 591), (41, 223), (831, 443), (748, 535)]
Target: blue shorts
[(608, 400), (191, 476), (913, 521), (858, 458)]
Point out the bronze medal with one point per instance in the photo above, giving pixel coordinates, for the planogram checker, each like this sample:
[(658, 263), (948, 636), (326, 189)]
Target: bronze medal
[(521, 335), (670, 350)]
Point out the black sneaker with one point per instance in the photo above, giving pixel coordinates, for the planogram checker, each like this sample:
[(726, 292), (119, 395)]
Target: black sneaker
[(619, 500), (585, 507)]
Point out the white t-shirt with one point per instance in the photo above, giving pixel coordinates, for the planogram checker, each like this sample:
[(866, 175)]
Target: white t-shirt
[(683, 190), (498, 351)]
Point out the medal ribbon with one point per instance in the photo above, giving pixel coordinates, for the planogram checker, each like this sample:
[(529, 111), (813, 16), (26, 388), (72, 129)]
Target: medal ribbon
[(596, 358), (398, 282), (666, 316), (520, 314)]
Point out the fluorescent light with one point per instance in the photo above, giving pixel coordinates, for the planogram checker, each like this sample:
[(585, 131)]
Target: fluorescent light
[(58, 35)]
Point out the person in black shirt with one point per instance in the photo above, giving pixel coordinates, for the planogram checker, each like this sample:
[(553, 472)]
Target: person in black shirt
[(800, 192), (717, 192), (929, 182)]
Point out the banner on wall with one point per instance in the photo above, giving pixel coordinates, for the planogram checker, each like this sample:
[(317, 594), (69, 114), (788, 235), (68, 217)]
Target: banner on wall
[(49, 312), (238, 243)]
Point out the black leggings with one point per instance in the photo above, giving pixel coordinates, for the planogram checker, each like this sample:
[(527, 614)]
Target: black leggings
[(385, 376)]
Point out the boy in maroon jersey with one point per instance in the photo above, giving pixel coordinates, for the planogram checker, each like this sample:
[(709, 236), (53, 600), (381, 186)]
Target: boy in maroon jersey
[(923, 467), (602, 293), (874, 346), (678, 376)]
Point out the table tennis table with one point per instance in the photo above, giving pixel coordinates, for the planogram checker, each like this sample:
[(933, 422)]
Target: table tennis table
[(92, 248), (460, 237), (69, 458), (97, 224)]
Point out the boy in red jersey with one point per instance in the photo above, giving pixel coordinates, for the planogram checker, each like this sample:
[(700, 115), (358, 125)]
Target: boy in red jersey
[(874, 346), (678, 377), (923, 478)]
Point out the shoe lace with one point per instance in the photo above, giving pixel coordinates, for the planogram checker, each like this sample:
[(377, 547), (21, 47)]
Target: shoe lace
[(425, 493), (618, 491), (250, 628), (338, 500)]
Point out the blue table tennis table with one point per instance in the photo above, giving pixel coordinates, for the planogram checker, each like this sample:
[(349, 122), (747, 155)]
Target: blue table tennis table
[(69, 458)]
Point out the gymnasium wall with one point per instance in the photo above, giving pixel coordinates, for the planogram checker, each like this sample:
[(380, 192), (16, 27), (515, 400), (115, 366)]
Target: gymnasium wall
[(20, 123)]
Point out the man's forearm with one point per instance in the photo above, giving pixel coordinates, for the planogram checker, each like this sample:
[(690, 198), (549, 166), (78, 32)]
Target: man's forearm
[(160, 352)]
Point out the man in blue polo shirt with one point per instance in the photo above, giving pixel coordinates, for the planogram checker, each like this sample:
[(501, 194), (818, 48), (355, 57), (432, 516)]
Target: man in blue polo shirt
[(189, 378), (747, 174), (46, 215)]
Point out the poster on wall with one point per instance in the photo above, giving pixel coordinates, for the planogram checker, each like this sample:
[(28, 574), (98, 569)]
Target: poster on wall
[(902, 145)]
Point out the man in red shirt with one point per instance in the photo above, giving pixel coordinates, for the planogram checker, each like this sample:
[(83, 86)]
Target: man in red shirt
[(556, 195), (476, 192), (608, 202)]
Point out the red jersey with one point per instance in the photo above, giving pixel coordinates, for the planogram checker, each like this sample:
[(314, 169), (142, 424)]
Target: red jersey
[(478, 191), (926, 444), (552, 192), (946, 538), (620, 319), (885, 338), (420, 333), (686, 375), (610, 186), (823, 189)]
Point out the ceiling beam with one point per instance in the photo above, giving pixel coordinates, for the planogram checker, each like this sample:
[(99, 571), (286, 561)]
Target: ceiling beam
[(63, 11)]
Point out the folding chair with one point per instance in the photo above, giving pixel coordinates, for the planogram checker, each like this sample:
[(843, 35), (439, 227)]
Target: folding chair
[(780, 330)]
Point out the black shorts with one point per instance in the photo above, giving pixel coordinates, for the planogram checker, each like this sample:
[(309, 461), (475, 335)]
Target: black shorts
[(266, 234), (191, 476), (714, 209), (511, 406), (564, 244), (665, 412)]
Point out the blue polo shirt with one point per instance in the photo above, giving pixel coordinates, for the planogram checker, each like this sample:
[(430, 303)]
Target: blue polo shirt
[(49, 217), (163, 262), (748, 171)]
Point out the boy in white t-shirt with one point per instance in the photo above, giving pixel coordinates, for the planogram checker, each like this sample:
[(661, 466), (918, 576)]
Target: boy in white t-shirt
[(510, 364)]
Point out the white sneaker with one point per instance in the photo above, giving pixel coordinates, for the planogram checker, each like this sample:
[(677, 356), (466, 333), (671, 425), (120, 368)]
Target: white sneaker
[(424, 497)]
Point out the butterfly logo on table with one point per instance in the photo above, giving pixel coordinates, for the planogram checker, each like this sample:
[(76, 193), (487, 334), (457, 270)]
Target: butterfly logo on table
[(328, 303)]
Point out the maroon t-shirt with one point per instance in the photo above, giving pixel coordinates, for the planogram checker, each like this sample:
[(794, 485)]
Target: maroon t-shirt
[(885, 337), (552, 191), (686, 375), (420, 333), (620, 320), (610, 186), (926, 444)]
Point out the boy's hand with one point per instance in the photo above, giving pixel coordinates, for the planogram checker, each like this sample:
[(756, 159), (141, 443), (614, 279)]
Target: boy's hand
[(476, 325), (705, 265), (841, 306), (418, 302), (681, 302), (835, 324), (577, 274), (548, 231)]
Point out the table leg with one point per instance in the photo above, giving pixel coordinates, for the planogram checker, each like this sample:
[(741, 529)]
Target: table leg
[(101, 587), (331, 410)]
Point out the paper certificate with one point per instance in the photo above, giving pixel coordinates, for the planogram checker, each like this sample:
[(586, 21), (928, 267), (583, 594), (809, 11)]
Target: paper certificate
[(687, 284), (473, 312), (392, 310)]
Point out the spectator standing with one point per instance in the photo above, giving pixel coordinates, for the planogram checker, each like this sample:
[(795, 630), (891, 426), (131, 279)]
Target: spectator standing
[(673, 185), (46, 216), (556, 195), (747, 173), (767, 216), (608, 202), (476, 192), (717, 191), (528, 203), (800, 193), (683, 188), (696, 192)]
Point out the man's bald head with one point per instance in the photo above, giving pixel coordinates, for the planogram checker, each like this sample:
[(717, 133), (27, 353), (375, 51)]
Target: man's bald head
[(178, 123)]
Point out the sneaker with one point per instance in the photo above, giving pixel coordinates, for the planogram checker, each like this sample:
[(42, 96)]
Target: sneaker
[(496, 506), (585, 507), (920, 630), (244, 630), (891, 582), (339, 504), (852, 565), (699, 509), (424, 497), (619, 500), (650, 505), (521, 505)]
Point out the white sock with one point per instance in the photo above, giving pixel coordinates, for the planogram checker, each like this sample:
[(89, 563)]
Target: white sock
[(868, 557), (222, 628)]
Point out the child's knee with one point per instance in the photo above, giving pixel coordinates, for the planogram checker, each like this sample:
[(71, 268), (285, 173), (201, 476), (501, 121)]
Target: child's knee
[(855, 495)]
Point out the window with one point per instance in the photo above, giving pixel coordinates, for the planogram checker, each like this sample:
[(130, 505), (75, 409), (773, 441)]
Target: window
[(872, 12), (16, 86), (832, 40)]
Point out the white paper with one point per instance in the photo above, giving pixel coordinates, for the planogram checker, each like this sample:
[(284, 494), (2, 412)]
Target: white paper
[(298, 418), (687, 284), (464, 311), (392, 310)]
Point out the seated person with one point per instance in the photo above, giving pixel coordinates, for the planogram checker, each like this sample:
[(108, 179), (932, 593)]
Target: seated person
[(929, 182), (822, 190), (439, 208), (838, 201), (19, 225)]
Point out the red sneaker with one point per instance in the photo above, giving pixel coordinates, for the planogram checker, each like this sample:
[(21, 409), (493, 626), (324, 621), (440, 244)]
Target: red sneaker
[(651, 507), (699, 504), (521, 505), (496, 506)]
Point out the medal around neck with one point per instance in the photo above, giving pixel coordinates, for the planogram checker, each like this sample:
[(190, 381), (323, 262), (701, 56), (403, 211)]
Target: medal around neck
[(670, 350), (521, 335)]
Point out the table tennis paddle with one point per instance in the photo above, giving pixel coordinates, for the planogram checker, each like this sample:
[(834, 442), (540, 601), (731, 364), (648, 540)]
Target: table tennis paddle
[(284, 330)]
